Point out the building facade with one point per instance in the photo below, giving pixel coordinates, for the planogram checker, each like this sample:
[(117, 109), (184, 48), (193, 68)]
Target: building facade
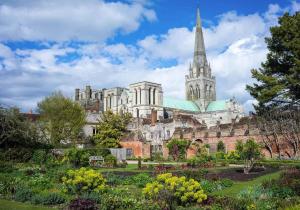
[(145, 101)]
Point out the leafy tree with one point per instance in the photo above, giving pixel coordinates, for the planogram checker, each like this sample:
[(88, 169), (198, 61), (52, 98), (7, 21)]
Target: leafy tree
[(249, 152), (221, 146), (279, 77), (110, 129), (16, 130), (177, 148), (61, 118)]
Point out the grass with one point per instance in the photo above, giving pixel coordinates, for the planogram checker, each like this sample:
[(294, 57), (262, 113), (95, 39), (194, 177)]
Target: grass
[(239, 186), (13, 205)]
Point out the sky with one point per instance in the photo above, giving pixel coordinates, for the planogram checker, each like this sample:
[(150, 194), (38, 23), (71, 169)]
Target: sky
[(60, 45)]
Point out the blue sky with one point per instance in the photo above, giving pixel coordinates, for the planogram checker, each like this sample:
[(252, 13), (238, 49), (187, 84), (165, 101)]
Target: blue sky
[(64, 44)]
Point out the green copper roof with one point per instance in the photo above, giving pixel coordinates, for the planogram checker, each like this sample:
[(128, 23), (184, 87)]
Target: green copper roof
[(216, 106), (180, 104)]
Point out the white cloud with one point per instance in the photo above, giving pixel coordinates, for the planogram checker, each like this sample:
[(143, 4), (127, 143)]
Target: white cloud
[(235, 45), (56, 20)]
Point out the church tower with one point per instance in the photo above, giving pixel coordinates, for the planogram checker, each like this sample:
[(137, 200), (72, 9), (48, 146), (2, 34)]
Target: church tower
[(200, 85)]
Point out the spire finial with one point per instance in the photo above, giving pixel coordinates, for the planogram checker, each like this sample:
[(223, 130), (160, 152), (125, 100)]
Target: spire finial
[(198, 18)]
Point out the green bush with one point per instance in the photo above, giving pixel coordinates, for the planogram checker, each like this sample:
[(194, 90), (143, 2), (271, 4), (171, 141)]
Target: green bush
[(39, 156), (110, 161), (83, 180), (140, 180), (6, 167), (23, 194), (7, 185), (48, 198), (16, 154)]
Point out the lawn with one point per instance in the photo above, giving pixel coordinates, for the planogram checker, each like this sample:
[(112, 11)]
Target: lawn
[(239, 186), (13, 205)]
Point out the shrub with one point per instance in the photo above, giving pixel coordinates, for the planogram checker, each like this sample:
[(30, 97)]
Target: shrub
[(221, 146), (168, 189), (83, 180), (23, 194), (6, 167), (82, 204), (291, 179), (232, 155), (120, 198), (177, 148), (77, 157), (192, 174), (110, 161), (140, 180), (39, 156), (16, 154), (48, 199), (7, 185)]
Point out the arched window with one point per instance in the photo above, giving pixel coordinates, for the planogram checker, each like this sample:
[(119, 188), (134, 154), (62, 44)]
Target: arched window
[(137, 113), (149, 96), (140, 96), (101, 96), (210, 91), (154, 90), (206, 90), (191, 93), (110, 99), (136, 97)]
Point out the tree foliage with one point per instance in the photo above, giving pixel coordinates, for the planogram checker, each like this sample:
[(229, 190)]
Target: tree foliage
[(221, 146), (110, 129), (61, 118), (278, 79), (249, 152), (16, 130), (177, 148)]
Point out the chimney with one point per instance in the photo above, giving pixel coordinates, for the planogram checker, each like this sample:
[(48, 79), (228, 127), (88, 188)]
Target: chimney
[(153, 117), (77, 94)]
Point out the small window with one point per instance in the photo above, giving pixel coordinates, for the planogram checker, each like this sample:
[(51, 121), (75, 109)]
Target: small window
[(151, 135), (94, 131), (159, 134), (168, 134), (129, 153)]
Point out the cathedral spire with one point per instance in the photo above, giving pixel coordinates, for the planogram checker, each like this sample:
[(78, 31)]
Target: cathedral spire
[(199, 50)]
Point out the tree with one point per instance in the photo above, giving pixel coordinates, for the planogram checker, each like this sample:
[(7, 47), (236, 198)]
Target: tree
[(110, 129), (16, 130), (221, 146), (279, 77), (62, 118), (280, 126), (249, 152), (178, 148)]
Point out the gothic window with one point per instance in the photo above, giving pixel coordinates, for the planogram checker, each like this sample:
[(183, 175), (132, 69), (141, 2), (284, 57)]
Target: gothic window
[(210, 91), (191, 93), (127, 100), (137, 113), (90, 93), (168, 134), (96, 95), (94, 131), (149, 96), (206, 90), (159, 134), (140, 96), (136, 97), (154, 90), (101, 96), (110, 101), (151, 135), (121, 101)]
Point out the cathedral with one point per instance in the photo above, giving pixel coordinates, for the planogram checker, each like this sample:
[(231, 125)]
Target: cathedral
[(145, 100)]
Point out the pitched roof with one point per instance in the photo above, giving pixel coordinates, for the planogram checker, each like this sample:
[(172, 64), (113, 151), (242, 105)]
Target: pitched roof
[(180, 104), (216, 106)]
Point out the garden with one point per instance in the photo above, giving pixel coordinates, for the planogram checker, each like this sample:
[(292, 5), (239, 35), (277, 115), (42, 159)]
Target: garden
[(65, 180)]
